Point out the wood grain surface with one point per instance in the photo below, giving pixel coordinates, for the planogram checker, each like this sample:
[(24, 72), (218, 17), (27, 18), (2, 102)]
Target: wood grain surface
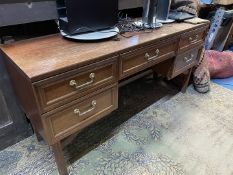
[(50, 55), (42, 70)]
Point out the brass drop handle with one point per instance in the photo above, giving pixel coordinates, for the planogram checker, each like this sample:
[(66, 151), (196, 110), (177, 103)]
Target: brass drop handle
[(73, 83), (193, 40), (157, 52), (187, 60), (80, 114), (147, 56)]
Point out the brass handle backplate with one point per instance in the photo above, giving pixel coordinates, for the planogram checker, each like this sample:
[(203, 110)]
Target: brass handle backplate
[(193, 39), (147, 56), (187, 60), (80, 114), (73, 83)]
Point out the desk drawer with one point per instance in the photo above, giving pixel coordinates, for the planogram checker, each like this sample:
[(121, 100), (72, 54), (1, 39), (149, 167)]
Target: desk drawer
[(185, 61), (189, 39), (137, 60), (72, 118), (64, 88)]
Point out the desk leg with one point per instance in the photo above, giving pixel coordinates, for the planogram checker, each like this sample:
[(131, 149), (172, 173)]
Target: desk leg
[(186, 81), (59, 158), (38, 136)]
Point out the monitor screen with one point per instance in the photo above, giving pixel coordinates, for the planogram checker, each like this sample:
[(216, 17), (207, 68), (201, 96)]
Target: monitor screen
[(90, 15)]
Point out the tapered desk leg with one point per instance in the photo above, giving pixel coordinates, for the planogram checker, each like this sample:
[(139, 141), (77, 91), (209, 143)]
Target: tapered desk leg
[(38, 136), (59, 158), (186, 81)]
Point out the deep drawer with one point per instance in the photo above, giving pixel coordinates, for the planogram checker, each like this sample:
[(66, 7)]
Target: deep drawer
[(185, 61), (64, 88), (72, 118), (137, 60)]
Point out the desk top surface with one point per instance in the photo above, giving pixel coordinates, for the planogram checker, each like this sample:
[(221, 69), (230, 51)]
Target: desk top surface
[(45, 56)]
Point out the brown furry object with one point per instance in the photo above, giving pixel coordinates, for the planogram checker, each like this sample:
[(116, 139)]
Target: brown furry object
[(189, 6)]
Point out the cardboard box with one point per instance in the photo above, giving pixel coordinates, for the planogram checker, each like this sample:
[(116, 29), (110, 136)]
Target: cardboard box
[(223, 2)]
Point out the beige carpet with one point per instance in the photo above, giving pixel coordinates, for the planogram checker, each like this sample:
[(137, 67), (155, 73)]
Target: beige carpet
[(189, 134), (199, 131)]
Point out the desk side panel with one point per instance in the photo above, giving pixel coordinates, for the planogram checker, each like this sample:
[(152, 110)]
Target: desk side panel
[(25, 94)]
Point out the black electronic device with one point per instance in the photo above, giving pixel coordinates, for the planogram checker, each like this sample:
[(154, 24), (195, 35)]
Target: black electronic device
[(180, 16), (81, 16), (149, 15)]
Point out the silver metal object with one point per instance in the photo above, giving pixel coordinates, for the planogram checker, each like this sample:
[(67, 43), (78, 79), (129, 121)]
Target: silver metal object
[(163, 8), (149, 14), (145, 13)]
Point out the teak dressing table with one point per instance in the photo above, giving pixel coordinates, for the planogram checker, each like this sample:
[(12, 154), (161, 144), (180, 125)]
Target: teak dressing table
[(64, 86)]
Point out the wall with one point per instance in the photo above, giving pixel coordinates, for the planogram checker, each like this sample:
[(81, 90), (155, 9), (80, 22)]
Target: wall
[(26, 12), (39, 10)]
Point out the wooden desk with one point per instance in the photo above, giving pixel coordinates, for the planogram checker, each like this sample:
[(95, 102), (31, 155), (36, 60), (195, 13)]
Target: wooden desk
[(64, 86)]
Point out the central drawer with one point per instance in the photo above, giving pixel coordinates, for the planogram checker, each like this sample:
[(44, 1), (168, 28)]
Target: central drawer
[(136, 60), (64, 88), (69, 119)]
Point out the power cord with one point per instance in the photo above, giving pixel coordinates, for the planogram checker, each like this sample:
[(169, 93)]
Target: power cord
[(125, 25)]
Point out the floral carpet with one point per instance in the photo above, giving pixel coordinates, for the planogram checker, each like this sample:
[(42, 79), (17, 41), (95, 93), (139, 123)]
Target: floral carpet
[(189, 134)]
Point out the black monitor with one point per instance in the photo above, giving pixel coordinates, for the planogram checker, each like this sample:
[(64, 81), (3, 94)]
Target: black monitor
[(80, 16)]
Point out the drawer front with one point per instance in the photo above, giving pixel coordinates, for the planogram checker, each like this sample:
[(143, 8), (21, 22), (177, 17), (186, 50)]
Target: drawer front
[(137, 60), (70, 119), (189, 39), (185, 61), (62, 89)]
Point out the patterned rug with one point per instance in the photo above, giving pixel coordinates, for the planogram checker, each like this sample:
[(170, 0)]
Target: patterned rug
[(189, 134)]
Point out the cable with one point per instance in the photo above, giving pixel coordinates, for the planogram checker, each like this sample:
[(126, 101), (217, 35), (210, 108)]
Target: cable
[(94, 30), (125, 25)]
